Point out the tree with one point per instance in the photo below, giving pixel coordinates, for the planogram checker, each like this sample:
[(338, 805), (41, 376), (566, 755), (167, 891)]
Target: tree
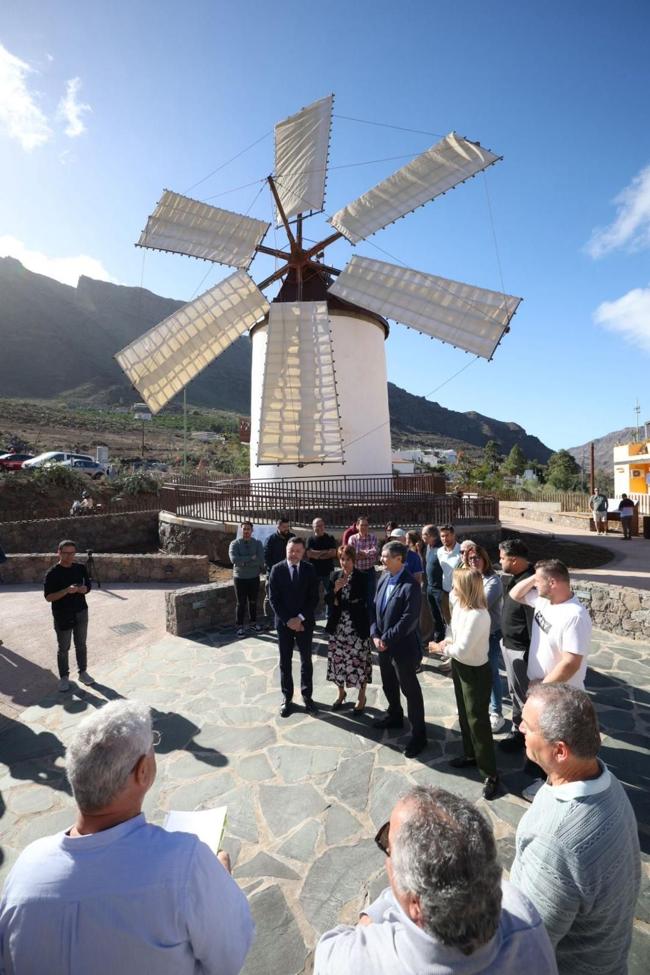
[(563, 471), (515, 462), (491, 456)]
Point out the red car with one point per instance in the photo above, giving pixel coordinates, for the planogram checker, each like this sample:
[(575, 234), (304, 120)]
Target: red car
[(13, 462)]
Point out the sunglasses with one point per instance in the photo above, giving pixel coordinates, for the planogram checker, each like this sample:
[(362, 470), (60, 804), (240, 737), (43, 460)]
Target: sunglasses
[(381, 839)]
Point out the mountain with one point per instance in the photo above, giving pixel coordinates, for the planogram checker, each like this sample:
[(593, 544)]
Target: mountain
[(59, 342), (603, 448), (416, 415)]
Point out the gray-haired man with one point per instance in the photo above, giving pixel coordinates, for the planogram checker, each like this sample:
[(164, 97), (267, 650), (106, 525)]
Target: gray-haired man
[(578, 856), (114, 894), (447, 908)]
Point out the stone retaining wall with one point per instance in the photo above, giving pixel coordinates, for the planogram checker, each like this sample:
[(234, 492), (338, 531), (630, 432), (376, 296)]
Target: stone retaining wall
[(616, 609), (112, 568), (516, 511), (190, 536), (203, 607), (101, 533), (578, 520)]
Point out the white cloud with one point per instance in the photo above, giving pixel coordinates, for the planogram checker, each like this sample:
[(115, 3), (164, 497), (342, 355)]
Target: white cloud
[(64, 269), (631, 228), (629, 316), (20, 114), (72, 110)]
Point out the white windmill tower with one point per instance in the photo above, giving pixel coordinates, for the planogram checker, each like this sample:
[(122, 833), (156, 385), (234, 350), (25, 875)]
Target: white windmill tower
[(318, 388)]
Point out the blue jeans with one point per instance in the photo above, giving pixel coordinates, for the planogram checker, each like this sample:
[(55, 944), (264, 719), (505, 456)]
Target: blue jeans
[(494, 657)]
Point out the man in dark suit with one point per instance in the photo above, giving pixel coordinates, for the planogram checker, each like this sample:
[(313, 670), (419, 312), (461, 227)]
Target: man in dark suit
[(293, 593), (395, 635)]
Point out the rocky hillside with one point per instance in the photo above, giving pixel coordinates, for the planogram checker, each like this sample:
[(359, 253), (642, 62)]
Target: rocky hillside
[(603, 448), (59, 341)]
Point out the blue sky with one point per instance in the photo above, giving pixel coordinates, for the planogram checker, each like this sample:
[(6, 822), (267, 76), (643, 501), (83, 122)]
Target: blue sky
[(104, 105)]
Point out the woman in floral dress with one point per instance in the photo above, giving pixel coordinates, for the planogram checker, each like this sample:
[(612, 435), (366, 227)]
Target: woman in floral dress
[(349, 660)]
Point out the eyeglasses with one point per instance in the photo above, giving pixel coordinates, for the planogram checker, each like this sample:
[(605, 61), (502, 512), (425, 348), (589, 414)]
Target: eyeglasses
[(381, 839), (157, 737)]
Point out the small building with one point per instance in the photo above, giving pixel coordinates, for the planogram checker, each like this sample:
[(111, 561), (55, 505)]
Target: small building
[(632, 468)]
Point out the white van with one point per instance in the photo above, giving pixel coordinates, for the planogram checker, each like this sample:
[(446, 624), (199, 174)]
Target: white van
[(54, 457)]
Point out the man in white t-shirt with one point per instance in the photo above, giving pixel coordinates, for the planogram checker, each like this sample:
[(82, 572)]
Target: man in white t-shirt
[(561, 635)]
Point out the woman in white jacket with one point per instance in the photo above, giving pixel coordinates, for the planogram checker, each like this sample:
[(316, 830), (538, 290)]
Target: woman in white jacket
[(472, 675)]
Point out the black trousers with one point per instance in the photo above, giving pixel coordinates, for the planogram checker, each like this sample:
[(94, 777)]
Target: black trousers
[(398, 673), (287, 641), (78, 631), (246, 592), (434, 597)]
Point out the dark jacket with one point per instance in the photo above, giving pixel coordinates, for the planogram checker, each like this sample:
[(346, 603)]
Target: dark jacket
[(398, 622), (516, 618), (288, 599), (275, 549), (355, 603)]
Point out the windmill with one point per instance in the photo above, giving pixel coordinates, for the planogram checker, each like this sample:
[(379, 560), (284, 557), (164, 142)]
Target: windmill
[(318, 385)]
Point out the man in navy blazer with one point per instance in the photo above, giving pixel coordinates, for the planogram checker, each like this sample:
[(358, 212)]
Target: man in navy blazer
[(293, 594), (396, 637)]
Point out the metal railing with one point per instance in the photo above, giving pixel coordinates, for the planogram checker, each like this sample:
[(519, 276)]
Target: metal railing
[(407, 499)]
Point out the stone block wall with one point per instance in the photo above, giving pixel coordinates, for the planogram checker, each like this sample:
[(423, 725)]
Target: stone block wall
[(616, 609), (188, 536), (101, 533), (112, 568), (203, 607), (516, 511)]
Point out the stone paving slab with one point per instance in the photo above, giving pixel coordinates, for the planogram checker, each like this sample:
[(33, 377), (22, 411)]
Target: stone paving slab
[(305, 795)]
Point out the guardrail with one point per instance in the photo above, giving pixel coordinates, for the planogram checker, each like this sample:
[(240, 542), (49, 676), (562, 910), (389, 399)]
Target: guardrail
[(407, 499)]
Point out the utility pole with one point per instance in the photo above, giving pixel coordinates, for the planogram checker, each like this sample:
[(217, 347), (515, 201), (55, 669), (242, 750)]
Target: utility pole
[(637, 410), (592, 477)]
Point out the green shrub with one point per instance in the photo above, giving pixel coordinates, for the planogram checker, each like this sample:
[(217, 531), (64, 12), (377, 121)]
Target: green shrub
[(137, 483)]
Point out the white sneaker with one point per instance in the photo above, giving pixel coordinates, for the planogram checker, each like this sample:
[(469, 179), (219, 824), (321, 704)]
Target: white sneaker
[(497, 721), (64, 684), (531, 791), (85, 677)]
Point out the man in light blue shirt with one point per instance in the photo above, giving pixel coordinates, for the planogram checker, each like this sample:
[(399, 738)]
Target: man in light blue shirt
[(115, 895)]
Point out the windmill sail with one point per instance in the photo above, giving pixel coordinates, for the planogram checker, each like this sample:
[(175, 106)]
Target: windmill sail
[(167, 357), (450, 162), (299, 420), (470, 318), (301, 148), (185, 226)]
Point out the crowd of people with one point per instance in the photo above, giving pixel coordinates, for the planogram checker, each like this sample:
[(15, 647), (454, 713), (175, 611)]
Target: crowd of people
[(115, 893)]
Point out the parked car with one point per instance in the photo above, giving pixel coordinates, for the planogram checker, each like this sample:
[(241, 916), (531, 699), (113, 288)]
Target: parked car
[(13, 462), (54, 457), (90, 467)]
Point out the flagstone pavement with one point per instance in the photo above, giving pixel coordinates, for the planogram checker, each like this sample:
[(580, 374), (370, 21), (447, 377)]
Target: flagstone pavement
[(305, 795)]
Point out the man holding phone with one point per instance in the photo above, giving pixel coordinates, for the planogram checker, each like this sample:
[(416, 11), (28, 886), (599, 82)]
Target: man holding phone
[(65, 587)]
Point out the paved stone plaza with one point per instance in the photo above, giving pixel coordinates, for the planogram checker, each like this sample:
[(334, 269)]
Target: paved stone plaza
[(305, 795)]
